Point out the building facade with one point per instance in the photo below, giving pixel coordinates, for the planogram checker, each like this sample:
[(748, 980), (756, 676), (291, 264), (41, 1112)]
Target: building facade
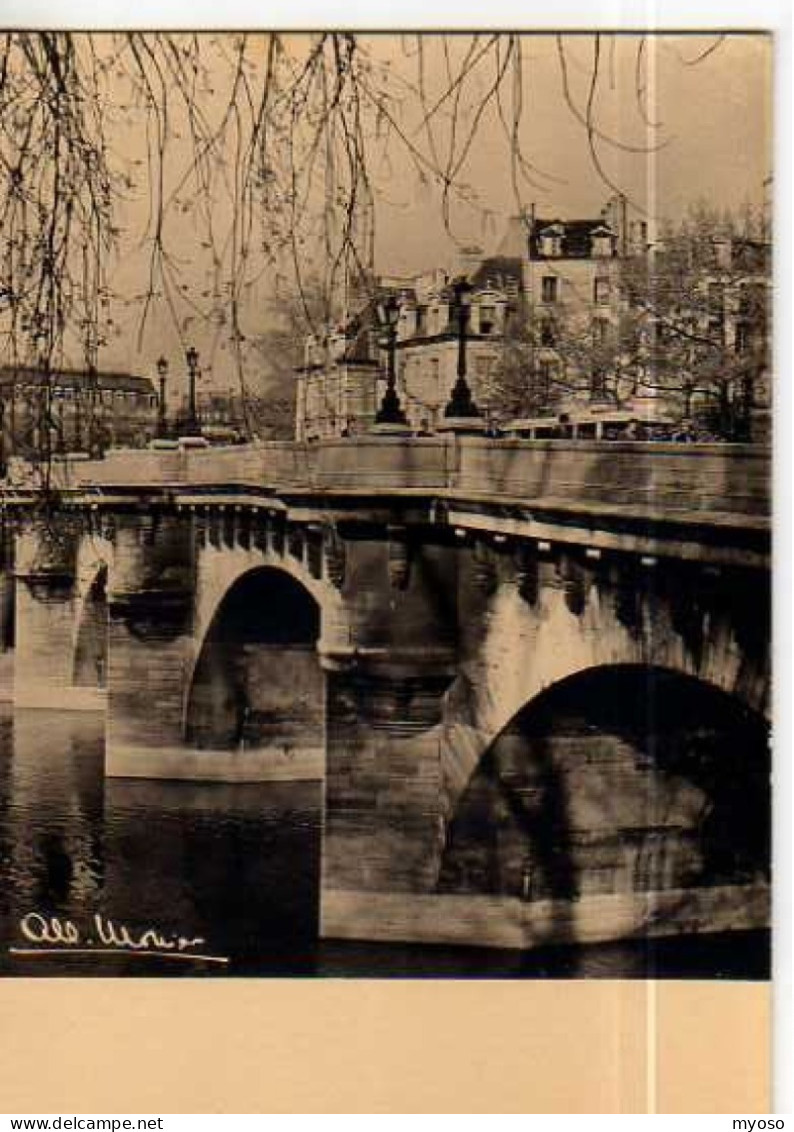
[(74, 411), (341, 384), (546, 271), (429, 334), (559, 329)]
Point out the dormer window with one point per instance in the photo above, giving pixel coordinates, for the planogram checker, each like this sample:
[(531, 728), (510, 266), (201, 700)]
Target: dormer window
[(551, 241), (602, 242)]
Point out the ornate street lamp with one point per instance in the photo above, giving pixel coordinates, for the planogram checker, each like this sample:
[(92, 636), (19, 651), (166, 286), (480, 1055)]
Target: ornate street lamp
[(461, 405), (193, 425), (390, 412), (162, 373)]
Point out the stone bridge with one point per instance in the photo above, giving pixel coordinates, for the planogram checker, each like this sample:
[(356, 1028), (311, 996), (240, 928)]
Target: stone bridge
[(533, 676)]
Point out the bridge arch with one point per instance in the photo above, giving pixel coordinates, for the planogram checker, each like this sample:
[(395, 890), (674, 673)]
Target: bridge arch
[(526, 649), (219, 569), (615, 781), (257, 680)]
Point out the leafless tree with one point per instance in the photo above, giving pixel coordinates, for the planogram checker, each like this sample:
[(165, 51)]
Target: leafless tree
[(691, 328), (704, 300)]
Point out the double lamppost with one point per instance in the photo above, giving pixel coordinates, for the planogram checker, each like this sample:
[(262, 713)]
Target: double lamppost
[(191, 424), (460, 413)]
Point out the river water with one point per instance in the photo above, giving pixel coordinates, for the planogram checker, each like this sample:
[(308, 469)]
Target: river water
[(236, 867)]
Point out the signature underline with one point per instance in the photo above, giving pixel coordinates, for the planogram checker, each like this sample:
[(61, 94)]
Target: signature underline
[(147, 952)]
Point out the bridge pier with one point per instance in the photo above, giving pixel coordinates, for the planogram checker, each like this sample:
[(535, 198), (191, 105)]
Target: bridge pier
[(150, 648), (384, 827), (47, 612)]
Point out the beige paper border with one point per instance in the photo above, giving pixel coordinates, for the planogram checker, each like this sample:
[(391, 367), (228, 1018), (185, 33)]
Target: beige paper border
[(365, 1046)]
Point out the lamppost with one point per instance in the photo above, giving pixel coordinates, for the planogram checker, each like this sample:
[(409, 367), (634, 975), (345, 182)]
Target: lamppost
[(79, 399), (461, 405), (390, 415), (96, 425), (193, 425), (3, 468), (162, 374)]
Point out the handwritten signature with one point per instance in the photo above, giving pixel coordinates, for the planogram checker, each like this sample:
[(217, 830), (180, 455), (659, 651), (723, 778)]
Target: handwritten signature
[(51, 933)]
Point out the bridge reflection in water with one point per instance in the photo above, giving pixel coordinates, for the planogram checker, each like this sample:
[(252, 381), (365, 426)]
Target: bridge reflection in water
[(239, 866)]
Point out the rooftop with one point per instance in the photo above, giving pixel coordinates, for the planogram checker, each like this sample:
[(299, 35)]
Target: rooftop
[(74, 378)]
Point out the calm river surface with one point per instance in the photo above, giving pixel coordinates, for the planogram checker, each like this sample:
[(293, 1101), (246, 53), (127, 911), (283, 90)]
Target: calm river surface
[(234, 866)]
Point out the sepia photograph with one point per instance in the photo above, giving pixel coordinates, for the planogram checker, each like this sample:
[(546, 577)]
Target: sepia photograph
[(385, 509)]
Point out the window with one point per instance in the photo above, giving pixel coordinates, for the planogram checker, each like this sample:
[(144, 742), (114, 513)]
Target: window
[(601, 291), (716, 329), (421, 321), (600, 331), (715, 300), (551, 244), (544, 377), (743, 337), (639, 234), (487, 319), (752, 302), (482, 367), (598, 383), (601, 246), (549, 288), (548, 333)]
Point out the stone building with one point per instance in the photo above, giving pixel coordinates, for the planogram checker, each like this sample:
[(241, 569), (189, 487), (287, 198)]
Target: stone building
[(342, 380), (428, 338), (83, 411), (338, 383), (544, 270), (551, 335), (572, 282), (620, 327)]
